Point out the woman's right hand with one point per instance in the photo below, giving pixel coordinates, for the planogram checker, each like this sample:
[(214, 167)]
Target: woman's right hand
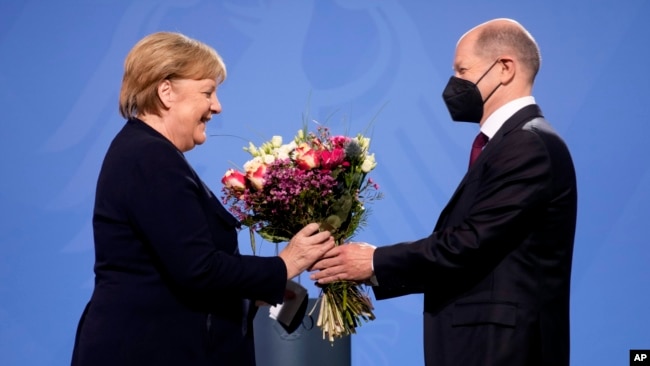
[(305, 248)]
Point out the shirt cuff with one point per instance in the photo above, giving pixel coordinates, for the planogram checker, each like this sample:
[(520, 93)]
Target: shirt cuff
[(372, 281)]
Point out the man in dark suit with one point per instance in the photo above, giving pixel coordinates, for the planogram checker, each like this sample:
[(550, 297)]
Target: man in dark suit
[(496, 270)]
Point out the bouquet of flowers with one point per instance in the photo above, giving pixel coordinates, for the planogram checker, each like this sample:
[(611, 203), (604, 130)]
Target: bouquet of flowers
[(316, 177)]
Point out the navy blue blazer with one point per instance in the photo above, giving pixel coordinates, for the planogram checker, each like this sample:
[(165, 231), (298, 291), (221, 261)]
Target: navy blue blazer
[(496, 270), (170, 285)]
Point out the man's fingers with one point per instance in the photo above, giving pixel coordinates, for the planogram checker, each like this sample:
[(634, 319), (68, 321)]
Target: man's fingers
[(329, 279), (327, 272), (322, 264), (332, 253)]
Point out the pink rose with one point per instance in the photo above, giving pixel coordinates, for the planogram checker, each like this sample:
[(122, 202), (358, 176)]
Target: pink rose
[(306, 157), (255, 171), (331, 159), (234, 180)]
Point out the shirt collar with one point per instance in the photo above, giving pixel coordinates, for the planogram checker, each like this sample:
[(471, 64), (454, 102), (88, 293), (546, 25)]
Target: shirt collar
[(501, 115)]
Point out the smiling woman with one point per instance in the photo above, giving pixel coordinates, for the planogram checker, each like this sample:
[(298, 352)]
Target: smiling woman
[(189, 105), (170, 285), (170, 82)]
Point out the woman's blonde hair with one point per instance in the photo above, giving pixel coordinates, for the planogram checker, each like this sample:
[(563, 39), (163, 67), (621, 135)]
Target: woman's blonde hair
[(160, 56)]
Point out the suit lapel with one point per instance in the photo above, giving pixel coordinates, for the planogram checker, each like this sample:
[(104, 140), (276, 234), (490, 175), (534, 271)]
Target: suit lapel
[(515, 122)]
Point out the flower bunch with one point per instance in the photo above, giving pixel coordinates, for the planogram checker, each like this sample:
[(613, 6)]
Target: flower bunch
[(317, 177)]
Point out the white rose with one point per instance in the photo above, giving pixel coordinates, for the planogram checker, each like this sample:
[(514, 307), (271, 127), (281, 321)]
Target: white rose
[(369, 163)]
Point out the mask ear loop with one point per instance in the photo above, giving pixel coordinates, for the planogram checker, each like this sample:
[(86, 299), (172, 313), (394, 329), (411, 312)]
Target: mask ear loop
[(485, 73)]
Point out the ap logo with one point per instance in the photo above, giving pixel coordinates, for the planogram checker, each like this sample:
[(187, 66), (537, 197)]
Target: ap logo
[(639, 357)]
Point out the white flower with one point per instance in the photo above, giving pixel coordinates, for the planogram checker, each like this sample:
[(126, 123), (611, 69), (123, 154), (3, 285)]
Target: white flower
[(268, 158), (283, 151), (369, 163), (276, 141), (364, 143), (251, 149), (300, 136)]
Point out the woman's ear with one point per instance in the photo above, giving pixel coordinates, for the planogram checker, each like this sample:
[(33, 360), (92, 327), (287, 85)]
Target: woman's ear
[(165, 92)]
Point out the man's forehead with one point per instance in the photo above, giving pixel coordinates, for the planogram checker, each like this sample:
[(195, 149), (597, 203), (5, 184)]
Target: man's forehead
[(464, 54)]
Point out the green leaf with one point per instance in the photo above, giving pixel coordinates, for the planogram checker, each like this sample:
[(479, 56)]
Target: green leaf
[(273, 235), (332, 223), (342, 206), (252, 234)]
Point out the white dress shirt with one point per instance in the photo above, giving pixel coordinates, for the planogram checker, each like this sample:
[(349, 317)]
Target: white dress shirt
[(492, 124)]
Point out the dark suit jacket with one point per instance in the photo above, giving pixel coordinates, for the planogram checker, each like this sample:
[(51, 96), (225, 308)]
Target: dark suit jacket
[(170, 285), (496, 270)]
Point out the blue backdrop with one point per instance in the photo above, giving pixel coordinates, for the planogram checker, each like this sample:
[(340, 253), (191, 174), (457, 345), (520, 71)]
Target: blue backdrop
[(60, 73)]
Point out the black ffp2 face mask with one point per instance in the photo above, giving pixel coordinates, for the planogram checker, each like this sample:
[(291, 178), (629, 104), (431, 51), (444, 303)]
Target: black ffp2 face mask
[(463, 98)]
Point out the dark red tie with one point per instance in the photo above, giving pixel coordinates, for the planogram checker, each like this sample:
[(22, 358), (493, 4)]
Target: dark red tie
[(479, 142)]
